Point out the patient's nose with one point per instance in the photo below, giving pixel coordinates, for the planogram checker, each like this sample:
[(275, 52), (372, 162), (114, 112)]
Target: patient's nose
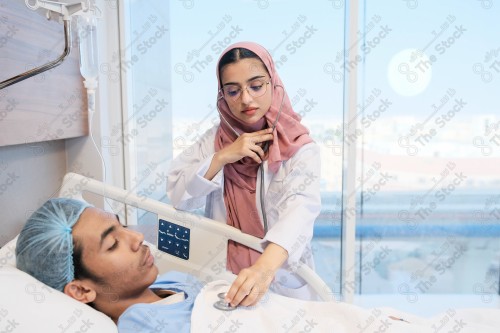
[(136, 239)]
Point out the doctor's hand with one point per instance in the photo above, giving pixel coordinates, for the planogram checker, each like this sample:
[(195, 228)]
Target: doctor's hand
[(250, 286), (253, 282), (247, 144)]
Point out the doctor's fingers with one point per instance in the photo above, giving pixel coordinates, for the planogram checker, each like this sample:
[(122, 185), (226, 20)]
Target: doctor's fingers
[(241, 286), (243, 292), (249, 287), (233, 290), (261, 138), (256, 294), (248, 149), (256, 153), (257, 137)]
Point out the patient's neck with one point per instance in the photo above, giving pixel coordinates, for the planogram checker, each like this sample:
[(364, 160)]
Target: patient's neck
[(113, 305)]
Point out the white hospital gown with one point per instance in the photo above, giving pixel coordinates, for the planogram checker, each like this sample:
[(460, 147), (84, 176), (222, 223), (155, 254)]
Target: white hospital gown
[(292, 202)]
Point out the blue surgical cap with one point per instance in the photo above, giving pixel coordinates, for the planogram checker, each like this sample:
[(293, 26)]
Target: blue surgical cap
[(45, 245)]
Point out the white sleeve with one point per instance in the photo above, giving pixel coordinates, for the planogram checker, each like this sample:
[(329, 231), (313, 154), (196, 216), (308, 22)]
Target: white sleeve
[(186, 186), (297, 205)]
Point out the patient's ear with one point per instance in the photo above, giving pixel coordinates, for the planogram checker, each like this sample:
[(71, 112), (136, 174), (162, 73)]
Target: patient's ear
[(80, 291)]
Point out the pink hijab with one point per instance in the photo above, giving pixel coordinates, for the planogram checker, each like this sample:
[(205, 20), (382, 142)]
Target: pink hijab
[(240, 177)]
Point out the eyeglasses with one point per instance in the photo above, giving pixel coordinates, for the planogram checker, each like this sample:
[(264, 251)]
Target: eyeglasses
[(256, 88)]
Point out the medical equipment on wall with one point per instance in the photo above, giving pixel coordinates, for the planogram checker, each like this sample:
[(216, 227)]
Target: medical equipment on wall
[(87, 10), (264, 148)]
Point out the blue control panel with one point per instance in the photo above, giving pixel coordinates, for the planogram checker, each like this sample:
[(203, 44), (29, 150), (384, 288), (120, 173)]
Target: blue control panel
[(174, 239)]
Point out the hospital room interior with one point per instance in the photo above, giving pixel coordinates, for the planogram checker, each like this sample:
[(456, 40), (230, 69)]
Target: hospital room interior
[(98, 98)]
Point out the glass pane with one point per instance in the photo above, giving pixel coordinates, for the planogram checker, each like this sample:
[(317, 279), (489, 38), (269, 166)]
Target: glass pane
[(148, 129), (429, 128)]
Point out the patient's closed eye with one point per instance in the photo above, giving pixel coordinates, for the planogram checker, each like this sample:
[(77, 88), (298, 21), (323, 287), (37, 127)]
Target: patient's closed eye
[(114, 246)]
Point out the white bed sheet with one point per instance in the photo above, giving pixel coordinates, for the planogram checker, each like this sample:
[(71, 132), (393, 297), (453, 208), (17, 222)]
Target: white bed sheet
[(277, 313)]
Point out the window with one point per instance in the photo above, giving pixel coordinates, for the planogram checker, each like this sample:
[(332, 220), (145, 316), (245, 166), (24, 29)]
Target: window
[(428, 120)]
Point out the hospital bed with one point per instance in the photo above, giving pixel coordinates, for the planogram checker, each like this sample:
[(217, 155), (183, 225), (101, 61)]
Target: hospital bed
[(188, 242)]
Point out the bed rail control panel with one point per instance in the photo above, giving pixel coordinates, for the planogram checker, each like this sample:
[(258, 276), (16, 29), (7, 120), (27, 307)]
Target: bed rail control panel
[(174, 239)]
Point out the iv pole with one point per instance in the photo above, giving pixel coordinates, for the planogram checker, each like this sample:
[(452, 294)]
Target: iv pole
[(66, 10)]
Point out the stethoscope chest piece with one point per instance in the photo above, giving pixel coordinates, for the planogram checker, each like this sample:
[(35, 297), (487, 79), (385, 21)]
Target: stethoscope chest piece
[(221, 305)]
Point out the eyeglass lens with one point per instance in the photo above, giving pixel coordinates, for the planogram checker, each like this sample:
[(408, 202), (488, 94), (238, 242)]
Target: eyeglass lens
[(256, 88)]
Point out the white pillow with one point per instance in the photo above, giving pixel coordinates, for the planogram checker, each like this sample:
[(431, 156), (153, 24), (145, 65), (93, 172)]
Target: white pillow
[(8, 254), (27, 305)]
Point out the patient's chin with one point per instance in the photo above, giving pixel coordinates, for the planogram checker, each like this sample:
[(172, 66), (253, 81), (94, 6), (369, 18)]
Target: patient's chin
[(154, 273)]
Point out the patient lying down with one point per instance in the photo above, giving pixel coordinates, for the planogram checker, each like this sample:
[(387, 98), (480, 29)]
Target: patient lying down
[(87, 254)]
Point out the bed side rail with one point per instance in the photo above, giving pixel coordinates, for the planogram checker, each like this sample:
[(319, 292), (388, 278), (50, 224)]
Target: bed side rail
[(207, 262)]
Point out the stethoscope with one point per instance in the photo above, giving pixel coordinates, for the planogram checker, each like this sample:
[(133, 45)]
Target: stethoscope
[(221, 305), (264, 148)]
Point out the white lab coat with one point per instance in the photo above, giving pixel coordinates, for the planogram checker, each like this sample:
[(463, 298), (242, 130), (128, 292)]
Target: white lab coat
[(292, 202)]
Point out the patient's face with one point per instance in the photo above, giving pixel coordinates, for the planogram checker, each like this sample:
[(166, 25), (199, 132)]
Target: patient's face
[(114, 254)]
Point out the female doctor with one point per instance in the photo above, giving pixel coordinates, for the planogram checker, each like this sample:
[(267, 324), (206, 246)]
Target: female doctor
[(258, 171)]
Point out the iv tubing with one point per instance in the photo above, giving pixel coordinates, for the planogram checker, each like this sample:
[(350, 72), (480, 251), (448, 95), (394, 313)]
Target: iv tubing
[(47, 66)]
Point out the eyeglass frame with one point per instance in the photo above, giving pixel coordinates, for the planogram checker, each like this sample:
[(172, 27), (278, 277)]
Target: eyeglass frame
[(222, 92)]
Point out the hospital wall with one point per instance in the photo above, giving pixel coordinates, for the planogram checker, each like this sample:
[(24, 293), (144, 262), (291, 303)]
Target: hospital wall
[(31, 168), (32, 173), (29, 175)]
